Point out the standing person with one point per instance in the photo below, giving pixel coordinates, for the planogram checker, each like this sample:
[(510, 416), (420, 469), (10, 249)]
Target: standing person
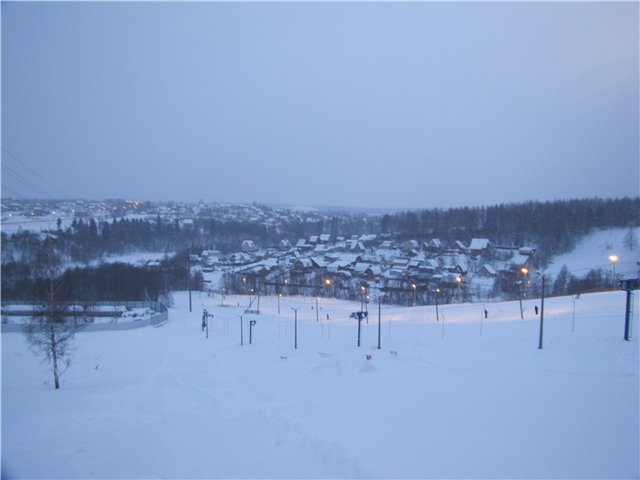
[(536, 309), (486, 313)]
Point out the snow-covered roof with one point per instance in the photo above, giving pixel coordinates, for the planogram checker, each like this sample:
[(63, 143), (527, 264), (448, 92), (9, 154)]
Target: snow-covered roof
[(479, 244)]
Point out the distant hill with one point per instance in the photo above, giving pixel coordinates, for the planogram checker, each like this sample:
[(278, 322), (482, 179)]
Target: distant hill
[(593, 250)]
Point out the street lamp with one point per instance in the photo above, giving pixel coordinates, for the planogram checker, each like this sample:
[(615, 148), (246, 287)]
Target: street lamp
[(613, 259), (525, 272), (459, 280), (414, 286), (541, 312), (437, 291)]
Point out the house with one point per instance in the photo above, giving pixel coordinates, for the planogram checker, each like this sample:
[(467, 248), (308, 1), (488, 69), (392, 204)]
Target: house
[(248, 246), (344, 262), (400, 263), (450, 279), (325, 238), (318, 262), (357, 247), (284, 244), (519, 261), (367, 238), (302, 244), (303, 264), (478, 246), (457, 246), (487, 271), (367, 270), (410, 246), (527, 251), (434, 245)]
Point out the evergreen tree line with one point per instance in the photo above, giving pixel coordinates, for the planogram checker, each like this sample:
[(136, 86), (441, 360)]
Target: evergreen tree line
[(552, 227), (106, 282)]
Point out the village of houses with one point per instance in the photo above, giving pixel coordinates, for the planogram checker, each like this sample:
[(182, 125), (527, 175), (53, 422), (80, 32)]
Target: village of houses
[(370, 266)]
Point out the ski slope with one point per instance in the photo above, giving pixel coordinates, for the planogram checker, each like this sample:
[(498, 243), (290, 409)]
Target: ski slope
[(458, 397)]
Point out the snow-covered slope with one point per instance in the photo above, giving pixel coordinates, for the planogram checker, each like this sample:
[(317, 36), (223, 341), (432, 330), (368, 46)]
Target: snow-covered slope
[(593, 252), (463, 397)]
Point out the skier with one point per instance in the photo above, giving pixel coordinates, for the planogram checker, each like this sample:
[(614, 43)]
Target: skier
[(536, 309), (486, 313)]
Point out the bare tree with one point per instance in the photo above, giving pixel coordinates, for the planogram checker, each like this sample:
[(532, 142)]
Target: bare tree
[(50, 333), (52, 328)]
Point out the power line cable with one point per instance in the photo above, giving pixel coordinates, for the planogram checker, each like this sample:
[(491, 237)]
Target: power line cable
[(34, 172), (13, 192), (24, 181)]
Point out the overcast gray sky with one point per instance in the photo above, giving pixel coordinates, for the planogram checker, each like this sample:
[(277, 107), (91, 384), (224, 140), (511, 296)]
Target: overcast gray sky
[(407, 105)]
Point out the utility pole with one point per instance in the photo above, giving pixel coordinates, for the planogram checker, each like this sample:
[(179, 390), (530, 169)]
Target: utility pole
[(379, 320), (295, 328), (359, 316), (317, 314), (189, 276), (628, 286), (519, 283), (241, 335), (541, 314)]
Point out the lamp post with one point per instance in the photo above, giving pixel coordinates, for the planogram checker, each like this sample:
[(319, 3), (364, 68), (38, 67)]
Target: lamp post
[(327, 284), (613, 259), (279, 295), (414, 287), (459, 280), (437, 291), (524, 271)]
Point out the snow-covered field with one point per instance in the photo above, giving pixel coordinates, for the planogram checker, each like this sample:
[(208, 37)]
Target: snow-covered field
[(463, 397)]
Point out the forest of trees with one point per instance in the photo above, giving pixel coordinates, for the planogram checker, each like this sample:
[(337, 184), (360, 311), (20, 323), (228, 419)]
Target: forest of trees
[(29, 259)]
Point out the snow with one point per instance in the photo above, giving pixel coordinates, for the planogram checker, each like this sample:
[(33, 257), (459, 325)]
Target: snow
[(593, 250), (462, 397)]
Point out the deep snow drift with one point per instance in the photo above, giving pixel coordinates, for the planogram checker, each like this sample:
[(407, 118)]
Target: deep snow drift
[(460, 397)]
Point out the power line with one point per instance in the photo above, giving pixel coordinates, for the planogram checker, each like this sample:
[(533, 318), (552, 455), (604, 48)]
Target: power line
[(24, 181), (34, 172), (13, 192)]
